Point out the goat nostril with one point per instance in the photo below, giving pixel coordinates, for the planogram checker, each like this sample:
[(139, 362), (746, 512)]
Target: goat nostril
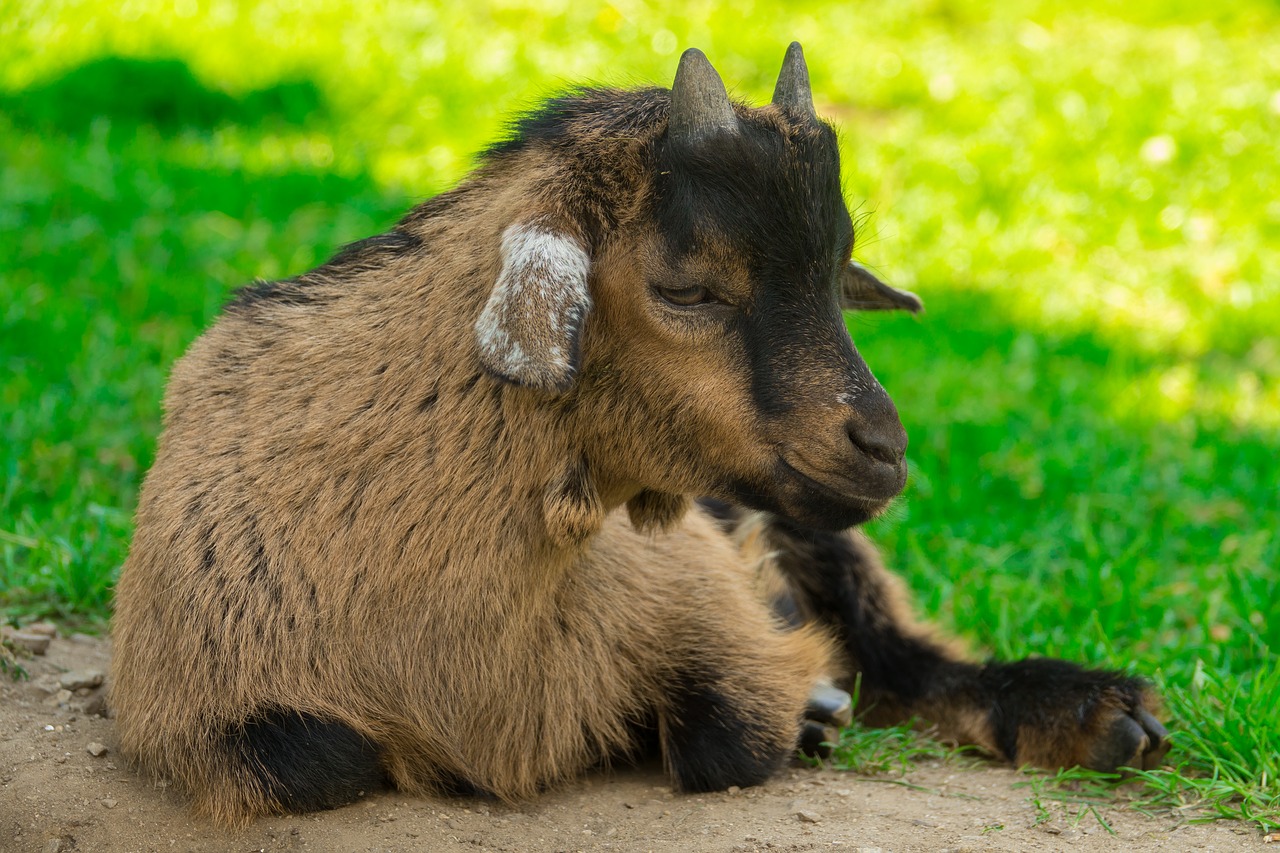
[(885, 446)]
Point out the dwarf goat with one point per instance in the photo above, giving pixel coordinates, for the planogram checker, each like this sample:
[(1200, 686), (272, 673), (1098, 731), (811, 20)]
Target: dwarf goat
[(427, 514)]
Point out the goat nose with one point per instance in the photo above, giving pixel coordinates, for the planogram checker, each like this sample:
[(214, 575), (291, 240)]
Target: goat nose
[(883, 439)]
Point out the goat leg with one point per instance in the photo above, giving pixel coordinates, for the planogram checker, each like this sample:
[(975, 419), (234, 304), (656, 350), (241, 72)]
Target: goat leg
[(1039, 711)]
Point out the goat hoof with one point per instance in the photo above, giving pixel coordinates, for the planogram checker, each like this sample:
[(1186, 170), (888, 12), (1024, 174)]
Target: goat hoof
[(1135, 739), (817, 740), (830, 706), (1058, 714), (1158, 736)]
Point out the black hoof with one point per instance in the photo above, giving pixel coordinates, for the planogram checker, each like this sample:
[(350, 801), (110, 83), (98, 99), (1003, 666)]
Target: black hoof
[(817, 740), (830, 706), (1134, 740)]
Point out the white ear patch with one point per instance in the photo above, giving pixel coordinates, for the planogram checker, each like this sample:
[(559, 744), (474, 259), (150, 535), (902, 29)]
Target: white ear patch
[(528, 331)]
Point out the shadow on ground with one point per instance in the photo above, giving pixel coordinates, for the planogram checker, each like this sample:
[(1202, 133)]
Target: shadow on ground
[(128, 216), (163, 93)]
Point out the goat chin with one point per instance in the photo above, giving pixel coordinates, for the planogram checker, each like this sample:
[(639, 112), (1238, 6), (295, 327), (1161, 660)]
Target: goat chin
[(805, 502)]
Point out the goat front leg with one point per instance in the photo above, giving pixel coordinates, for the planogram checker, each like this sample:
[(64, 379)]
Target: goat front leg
[(731, 713), (1040, 711), (730, 683)]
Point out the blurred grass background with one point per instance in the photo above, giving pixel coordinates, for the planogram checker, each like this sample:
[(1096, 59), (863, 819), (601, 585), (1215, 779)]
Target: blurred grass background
[(1086, 195)]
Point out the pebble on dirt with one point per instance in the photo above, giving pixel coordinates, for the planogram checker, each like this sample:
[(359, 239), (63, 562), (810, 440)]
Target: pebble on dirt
[(96, 749), (75, 680), (37, 644)]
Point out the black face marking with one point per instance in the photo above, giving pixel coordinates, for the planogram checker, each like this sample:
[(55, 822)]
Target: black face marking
[(775, 198), (770, 197)]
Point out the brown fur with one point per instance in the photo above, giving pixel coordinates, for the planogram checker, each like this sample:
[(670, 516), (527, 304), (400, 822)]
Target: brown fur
[(349, 516), (458, 524)]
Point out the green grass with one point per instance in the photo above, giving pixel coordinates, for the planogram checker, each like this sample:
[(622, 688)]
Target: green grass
[(1086, 195)]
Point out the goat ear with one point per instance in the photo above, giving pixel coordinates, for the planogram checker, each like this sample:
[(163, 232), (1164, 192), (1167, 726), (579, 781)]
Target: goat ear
[(862, 291), (529, 330)]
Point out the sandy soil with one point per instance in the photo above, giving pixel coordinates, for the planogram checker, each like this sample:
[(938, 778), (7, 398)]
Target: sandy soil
[(56, 796)]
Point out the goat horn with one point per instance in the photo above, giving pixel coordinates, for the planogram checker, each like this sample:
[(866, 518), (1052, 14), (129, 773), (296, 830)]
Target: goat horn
[(792, 90), (699, 103)]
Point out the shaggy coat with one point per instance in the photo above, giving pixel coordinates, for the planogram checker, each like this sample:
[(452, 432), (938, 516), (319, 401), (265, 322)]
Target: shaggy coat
[(423, 515)]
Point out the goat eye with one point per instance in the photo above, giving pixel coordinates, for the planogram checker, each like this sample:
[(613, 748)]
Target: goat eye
[(685, 296)]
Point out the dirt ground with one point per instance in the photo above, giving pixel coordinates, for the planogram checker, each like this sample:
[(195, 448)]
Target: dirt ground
[(57, 796)]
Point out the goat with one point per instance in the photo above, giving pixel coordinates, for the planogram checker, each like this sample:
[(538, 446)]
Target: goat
[(426, 514)]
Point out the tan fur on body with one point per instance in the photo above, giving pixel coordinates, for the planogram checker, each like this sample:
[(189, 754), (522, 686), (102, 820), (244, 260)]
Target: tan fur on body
[(348, 517), (432, 500)]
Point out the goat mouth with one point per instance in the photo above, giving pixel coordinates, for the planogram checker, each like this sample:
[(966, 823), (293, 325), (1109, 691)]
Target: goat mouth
[(826, 504), (803, 499), (836, 486)]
